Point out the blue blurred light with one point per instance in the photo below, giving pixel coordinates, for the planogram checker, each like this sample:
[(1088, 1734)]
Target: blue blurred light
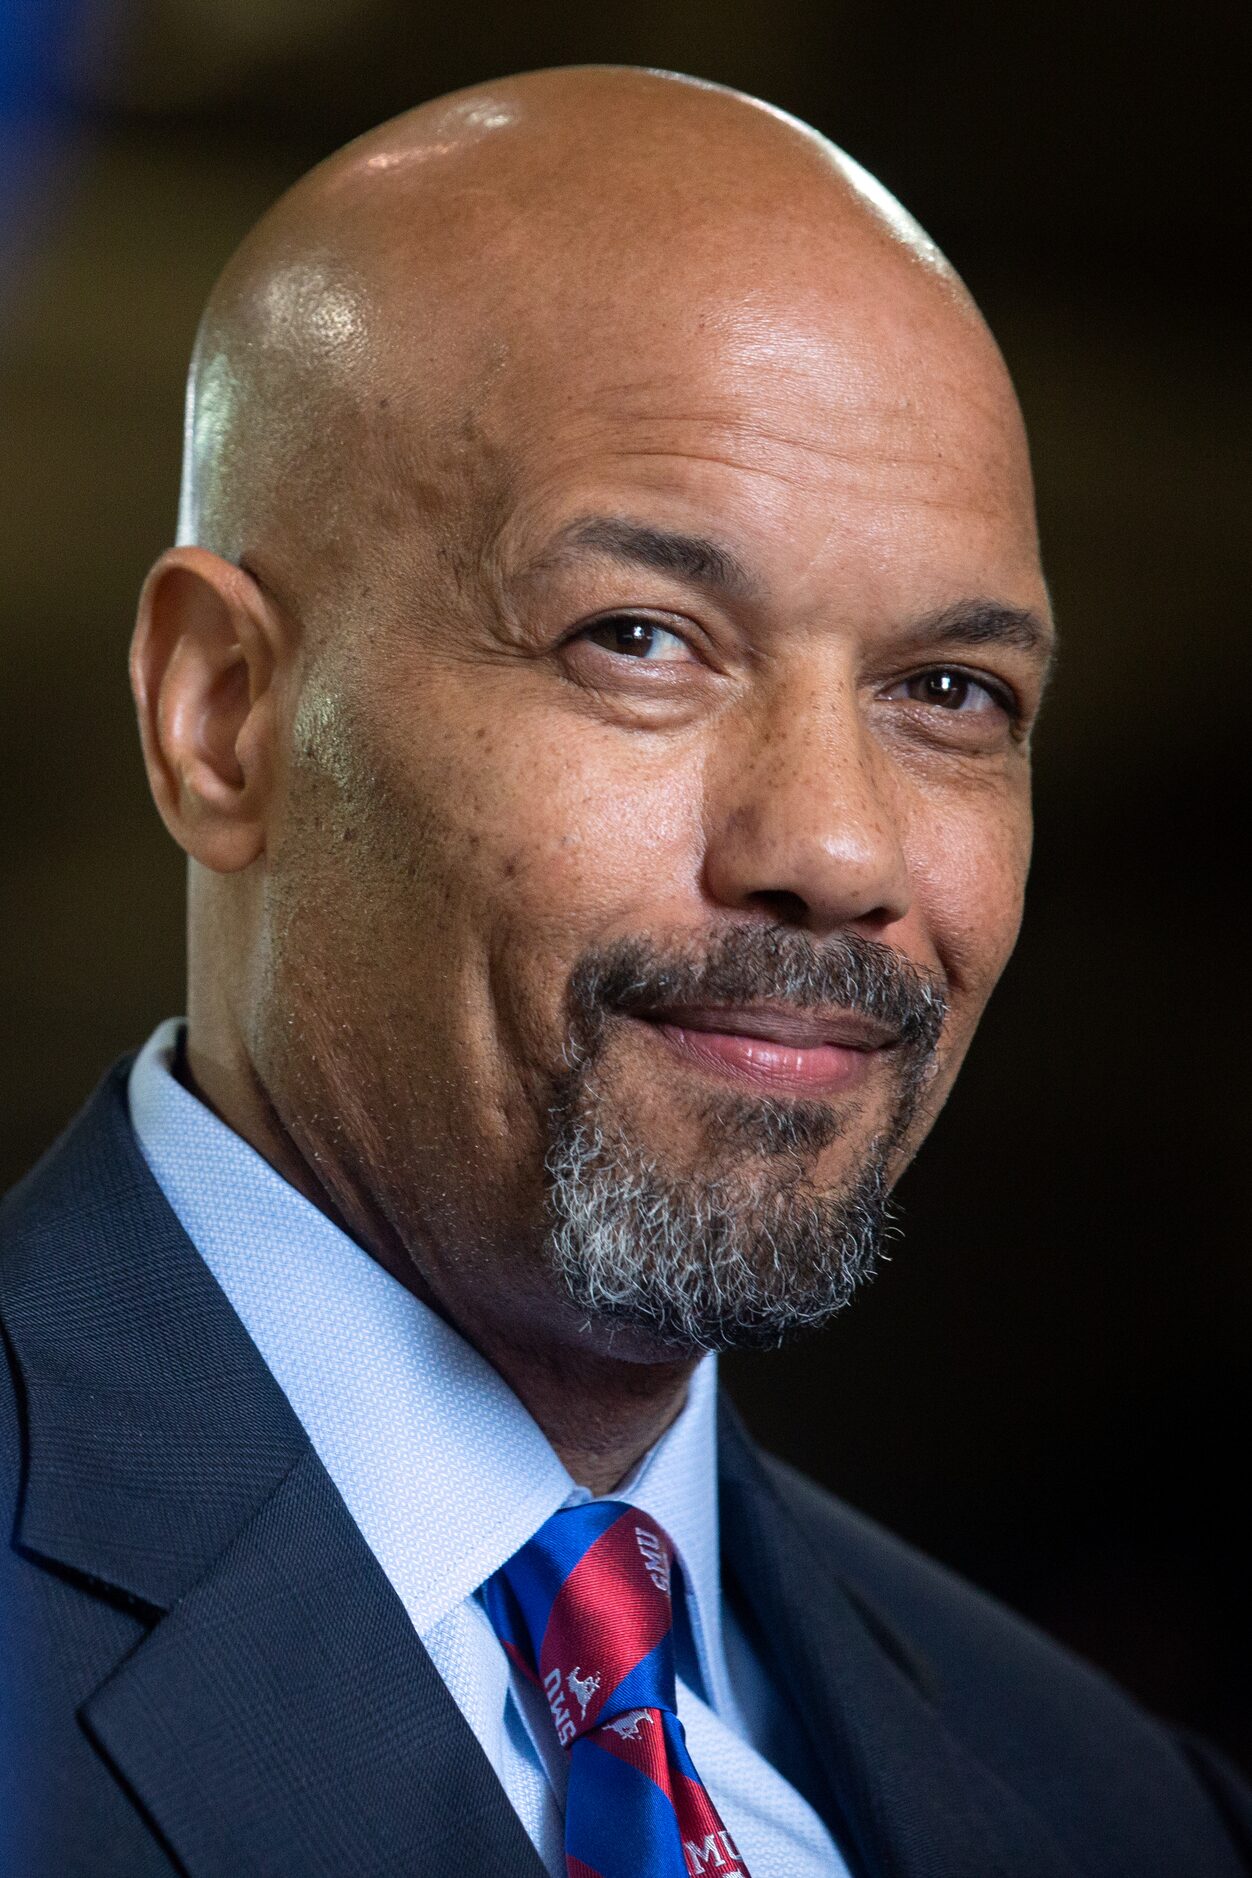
[(32, 35)]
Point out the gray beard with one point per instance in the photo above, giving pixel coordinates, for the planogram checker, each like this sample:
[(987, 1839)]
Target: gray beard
[(713, 1264), (746, 1251)]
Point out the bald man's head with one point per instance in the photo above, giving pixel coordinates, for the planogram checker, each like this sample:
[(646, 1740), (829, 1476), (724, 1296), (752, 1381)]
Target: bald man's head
[(594, 688), (543, 224)]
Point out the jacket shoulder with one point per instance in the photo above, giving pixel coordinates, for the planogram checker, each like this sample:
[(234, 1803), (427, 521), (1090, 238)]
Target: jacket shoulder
[(63, 1630), (82, 1171), (77, 1173), (943, 1615), (1048, 1723), (960, 1640)]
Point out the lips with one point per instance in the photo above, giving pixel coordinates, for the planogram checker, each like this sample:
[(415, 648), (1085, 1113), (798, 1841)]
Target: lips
[(771, 1048), (798, 1030)]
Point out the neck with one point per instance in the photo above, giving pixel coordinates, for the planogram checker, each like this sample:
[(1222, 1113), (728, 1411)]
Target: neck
[(601, 1412)]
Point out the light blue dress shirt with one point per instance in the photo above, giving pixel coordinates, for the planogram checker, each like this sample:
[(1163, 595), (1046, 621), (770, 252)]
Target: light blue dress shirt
[(447, 1475)]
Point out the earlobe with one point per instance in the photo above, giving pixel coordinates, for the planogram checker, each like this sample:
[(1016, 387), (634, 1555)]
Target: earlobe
[(202, 666)]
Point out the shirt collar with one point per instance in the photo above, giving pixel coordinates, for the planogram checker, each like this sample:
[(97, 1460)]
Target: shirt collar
[(676, 1482), (441, 1466)]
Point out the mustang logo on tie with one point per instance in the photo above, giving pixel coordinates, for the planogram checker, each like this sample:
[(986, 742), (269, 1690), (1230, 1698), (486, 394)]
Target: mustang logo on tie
[(627, 1726), (584, 1687)]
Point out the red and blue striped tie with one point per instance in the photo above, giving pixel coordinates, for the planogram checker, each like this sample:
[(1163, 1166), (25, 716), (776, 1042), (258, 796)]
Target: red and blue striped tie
[(584, 1611)]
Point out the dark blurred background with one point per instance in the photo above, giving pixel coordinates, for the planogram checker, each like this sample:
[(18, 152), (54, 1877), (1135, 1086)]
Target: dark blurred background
[(1047, 1387)]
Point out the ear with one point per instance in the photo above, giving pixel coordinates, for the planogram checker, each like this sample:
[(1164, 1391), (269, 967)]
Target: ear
[(207, 646)]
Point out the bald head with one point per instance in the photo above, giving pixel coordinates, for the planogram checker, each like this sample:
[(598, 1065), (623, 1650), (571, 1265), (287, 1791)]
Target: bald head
[(362, 344)]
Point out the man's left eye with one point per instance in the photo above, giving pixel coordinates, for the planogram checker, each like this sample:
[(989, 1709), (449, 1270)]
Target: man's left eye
[(951, 690), (637, 637)]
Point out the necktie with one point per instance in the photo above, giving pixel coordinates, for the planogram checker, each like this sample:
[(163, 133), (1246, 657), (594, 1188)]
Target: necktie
[(584, 1611)]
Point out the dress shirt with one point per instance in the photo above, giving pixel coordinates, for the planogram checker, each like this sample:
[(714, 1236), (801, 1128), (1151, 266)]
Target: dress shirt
[(446, 1474)]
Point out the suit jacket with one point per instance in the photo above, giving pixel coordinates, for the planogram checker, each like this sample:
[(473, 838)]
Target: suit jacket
[(204, 1670)]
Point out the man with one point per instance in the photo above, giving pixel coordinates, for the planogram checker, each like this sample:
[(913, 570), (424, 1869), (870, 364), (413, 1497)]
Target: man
[(593, 687)]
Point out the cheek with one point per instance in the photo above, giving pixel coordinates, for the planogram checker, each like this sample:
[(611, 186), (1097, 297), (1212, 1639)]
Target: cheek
[(971, 858), (596, 841), (554, 835), (596, 829), (534, 801)]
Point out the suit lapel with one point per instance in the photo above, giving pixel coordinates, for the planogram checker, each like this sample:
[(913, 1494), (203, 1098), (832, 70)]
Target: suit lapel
[(284, 1719), (281, 1715), (904, 1798)]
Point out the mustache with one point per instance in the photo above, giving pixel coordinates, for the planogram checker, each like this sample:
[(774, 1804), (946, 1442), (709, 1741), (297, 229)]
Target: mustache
[(758, 964)]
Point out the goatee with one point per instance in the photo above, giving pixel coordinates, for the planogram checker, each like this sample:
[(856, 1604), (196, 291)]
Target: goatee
[(747, 1251)]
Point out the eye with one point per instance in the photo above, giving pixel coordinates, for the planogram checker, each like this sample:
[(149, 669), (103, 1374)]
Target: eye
[(635, 636), (951, 689)]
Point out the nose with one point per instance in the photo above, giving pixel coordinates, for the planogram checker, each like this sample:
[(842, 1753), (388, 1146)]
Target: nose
[(803, 815)]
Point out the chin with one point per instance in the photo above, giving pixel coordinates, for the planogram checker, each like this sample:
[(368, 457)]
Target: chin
[(745, 1254)]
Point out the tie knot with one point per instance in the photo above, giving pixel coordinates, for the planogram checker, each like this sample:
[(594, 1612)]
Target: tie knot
[(584, 1609)]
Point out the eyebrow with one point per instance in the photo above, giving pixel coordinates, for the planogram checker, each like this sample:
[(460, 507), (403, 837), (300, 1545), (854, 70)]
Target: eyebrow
[(989, 623), (640, 544)]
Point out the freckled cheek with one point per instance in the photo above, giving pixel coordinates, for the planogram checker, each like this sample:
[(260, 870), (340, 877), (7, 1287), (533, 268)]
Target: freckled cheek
[(598, 850), (561, 838), (584, 847)]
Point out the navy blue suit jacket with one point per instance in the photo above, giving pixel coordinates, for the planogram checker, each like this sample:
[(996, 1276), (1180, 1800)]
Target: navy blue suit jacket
[(204, 1670)]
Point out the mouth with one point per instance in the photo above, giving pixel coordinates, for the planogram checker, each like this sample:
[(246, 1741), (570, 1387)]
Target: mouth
[(771, 1049)]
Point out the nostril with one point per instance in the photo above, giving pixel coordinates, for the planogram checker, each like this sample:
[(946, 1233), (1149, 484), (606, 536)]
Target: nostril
[(789, 909)]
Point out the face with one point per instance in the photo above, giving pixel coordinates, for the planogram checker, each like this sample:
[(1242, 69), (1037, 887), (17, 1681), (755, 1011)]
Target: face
[(657, 814)]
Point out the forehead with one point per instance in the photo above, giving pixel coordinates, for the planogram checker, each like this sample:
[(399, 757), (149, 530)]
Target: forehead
[(880, 429)]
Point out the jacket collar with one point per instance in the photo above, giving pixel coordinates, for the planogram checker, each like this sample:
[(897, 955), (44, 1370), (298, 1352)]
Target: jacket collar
[(281, 1715), (155, 1432)]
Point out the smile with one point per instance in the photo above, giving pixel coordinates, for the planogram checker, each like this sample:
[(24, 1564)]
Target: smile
[(775, 1051)]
